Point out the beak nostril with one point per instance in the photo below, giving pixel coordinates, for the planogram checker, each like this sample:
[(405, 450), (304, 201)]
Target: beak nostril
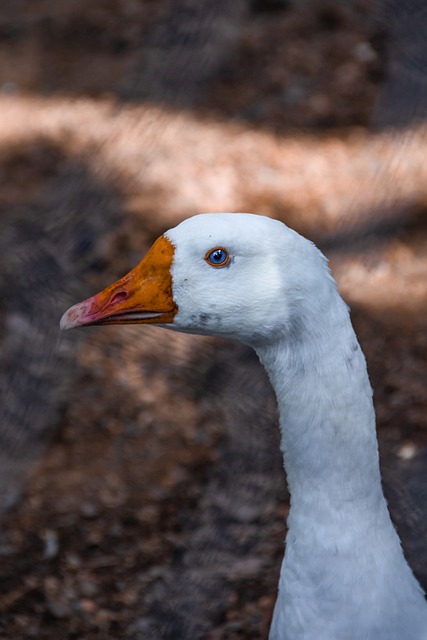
[(120, 295)]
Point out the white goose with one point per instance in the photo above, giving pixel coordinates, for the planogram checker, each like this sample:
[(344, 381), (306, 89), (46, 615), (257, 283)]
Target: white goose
[(250, 278)]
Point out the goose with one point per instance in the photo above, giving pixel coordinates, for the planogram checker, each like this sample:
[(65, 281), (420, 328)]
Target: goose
[(253, 279)]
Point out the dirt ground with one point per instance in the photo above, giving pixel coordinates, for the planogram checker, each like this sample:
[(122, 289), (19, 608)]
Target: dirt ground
[(141, 482)]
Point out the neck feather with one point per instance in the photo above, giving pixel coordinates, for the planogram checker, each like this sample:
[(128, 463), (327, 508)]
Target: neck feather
[(327, 420), (341, 546)]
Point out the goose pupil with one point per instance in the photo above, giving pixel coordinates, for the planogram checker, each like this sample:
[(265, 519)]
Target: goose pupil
[(218, 255)]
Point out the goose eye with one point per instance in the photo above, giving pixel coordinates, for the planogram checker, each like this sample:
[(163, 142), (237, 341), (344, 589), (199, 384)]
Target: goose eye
[(218, 257)]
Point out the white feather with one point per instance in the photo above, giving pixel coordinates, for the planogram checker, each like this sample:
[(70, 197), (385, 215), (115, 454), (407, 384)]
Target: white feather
[(344, 576)]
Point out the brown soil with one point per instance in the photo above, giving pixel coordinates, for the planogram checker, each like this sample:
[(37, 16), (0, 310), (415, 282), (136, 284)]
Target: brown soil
[(156, 500)]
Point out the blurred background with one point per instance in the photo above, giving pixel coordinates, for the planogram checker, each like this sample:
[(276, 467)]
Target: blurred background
[(141, 485)]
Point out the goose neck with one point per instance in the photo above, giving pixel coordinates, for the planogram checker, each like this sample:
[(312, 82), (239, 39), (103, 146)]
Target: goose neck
[(327, 419)]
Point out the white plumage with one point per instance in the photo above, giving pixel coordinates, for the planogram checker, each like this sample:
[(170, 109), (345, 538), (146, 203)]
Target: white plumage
[(344, 576)]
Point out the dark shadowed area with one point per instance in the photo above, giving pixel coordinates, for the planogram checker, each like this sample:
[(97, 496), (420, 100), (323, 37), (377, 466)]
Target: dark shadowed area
[(141, 484)]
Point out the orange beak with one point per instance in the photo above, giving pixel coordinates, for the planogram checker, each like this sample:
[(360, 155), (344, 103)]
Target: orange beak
[(144, 295)]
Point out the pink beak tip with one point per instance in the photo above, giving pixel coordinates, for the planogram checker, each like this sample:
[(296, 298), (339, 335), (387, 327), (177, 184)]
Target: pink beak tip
[(74, 317)]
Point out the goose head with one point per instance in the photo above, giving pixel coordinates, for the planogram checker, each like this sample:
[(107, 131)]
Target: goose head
[(239, 276)]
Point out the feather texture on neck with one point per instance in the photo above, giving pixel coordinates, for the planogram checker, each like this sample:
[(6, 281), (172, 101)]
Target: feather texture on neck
[(344, 576)]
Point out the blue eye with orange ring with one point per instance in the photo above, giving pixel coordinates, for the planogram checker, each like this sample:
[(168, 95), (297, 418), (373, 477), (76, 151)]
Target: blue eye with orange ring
[(217, 257)]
